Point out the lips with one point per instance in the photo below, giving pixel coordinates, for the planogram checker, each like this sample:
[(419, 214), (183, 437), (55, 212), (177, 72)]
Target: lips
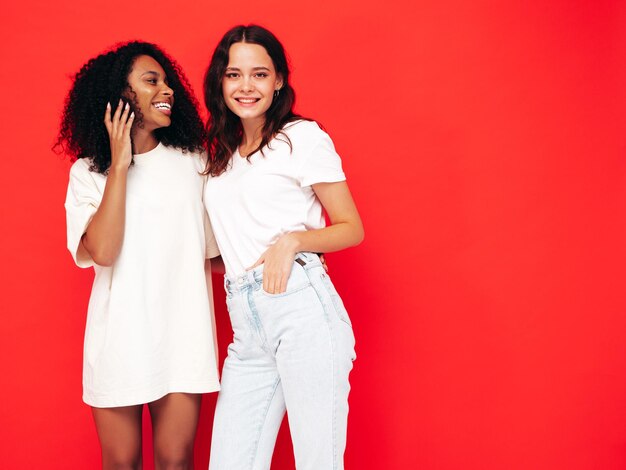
[(163, 107), (247, 101)]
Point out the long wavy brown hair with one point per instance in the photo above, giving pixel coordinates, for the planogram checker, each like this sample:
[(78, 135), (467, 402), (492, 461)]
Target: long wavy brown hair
[(224, 130)]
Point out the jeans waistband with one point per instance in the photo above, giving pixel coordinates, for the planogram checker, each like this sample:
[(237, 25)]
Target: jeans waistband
[(254, 277)]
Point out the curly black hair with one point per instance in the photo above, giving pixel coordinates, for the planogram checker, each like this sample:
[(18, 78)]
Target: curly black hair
[(104, 79)]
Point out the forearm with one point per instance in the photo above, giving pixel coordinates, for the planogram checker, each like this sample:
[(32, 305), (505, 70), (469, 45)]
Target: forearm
[(345, 230), (333, 238), (105, 233)]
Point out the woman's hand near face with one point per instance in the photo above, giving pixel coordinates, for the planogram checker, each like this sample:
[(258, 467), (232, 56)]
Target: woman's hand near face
[(119, 127), (278, 260), (104, 235)]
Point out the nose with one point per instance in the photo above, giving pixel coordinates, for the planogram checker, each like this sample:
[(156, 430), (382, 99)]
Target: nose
[(246, 84), (167, 91)]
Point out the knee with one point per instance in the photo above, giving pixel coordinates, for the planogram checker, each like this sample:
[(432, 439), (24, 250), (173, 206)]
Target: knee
[(122, 464), (174, 459), (174, 464)]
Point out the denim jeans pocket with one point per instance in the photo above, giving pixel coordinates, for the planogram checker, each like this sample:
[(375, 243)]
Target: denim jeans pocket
[(289, 291)]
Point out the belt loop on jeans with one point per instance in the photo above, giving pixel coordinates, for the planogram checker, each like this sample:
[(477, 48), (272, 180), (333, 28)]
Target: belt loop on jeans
[(305, 258)]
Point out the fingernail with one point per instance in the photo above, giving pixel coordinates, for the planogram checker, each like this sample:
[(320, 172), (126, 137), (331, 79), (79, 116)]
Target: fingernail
[(132, 115), (121, 102), (126, 107), (108, 105)]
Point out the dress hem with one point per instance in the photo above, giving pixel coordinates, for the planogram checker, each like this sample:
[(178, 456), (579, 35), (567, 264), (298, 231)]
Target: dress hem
[(142, 397)]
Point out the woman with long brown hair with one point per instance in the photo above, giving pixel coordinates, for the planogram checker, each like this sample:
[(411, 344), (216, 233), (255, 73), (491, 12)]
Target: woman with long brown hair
[(272, 174)]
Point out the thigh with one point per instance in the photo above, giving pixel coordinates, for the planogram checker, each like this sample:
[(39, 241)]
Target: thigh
[(250, 408), (314, 361), (174, 424), (119, 432)]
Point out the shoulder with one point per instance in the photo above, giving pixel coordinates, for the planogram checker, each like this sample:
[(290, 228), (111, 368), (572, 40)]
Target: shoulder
[(196, 160), (171, 150), (199, 160), (81, 169), (83, 181), (305, 131)]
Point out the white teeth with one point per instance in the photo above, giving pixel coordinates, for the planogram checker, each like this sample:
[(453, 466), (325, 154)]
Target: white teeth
[(162, 106)]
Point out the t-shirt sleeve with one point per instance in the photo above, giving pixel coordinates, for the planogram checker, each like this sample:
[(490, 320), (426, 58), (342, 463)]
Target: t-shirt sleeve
[(211, 243), (81, 203), (322, 164)]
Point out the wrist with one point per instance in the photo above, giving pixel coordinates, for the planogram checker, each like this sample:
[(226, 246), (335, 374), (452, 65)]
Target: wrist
[(293, 241), (118, 170)]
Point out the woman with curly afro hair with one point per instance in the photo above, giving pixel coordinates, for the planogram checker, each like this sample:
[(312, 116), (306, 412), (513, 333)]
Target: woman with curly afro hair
[(135, 213)]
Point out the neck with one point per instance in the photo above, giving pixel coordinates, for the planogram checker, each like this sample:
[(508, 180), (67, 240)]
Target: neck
[(252, 132), (143, 141)]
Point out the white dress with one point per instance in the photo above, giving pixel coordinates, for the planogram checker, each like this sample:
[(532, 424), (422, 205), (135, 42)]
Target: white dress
[(150, 325)]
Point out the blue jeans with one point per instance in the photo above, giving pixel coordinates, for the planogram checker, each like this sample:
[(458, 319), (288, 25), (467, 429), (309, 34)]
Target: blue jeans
[(291, 351)]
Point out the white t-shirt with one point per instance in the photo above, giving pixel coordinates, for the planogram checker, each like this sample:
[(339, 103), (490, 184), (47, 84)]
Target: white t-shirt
[(253, 203), (150, 317)]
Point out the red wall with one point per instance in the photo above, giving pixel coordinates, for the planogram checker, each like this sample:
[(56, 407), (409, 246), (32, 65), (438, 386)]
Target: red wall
[(484, 144)]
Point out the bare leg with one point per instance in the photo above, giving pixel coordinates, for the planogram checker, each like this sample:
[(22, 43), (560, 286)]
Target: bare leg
[(174, 423), (119, 431)]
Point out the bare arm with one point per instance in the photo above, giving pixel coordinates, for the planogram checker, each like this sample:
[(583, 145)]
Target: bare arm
[(346, 230), (103, 237)]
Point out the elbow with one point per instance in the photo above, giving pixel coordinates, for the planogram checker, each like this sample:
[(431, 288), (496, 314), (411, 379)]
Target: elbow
[(101, 254), (353, 234), (360, 238), (359, 235), (104, 258)]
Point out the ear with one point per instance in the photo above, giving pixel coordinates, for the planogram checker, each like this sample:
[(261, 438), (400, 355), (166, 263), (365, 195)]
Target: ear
[(279, 82)]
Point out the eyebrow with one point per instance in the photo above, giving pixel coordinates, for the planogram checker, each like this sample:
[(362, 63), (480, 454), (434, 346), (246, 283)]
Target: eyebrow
[(253, 68), (151, 72)]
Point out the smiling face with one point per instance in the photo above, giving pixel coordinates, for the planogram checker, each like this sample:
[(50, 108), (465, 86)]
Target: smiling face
[(249, 82), (153, 96)]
